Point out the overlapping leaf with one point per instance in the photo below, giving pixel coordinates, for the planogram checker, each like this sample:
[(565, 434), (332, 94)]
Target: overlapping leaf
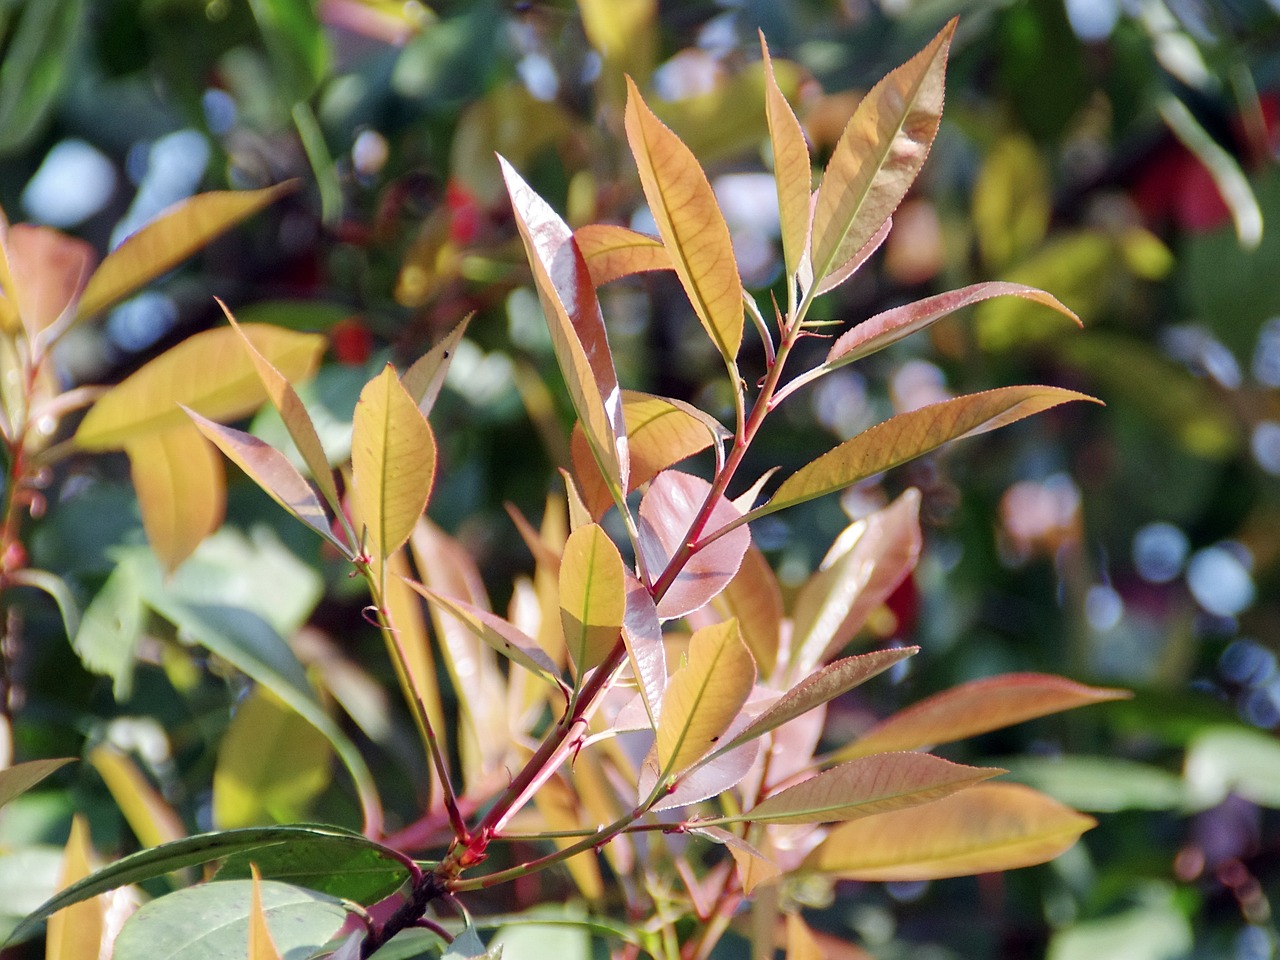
[(592, 596), (642, 633), (878, 156), (261, 946), (791, 169), (576, 325), (612, 252), (988, 827), (152, 820), (48, 269), (181, 490), (691, 224), (393, 462), (908, 435), (208, 372), (425, 378), (977, 707)]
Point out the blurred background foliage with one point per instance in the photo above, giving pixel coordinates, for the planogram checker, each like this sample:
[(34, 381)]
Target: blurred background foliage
[(1118, 153)]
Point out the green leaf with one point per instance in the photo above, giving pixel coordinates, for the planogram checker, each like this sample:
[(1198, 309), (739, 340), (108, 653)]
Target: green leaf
[(908, 435), (208, 372), (21, 777), (592, 596), (878, 156), (704, 696), (791, 167), (152, 820), (181, 490), (819, 688), (211, 922), (576, 326), (393, 462), (269, 842), (169, 239), (1101, 784), (985, 828), (1225, 760), (864, 788), (692, 227), (56, 589), (977, 707), (38, 57), (364, 872), (424, 379)]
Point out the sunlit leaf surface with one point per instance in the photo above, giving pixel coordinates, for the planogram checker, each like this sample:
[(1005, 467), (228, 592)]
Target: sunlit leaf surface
[(592, 596), (612, 252), (181, 490), (791, 169)]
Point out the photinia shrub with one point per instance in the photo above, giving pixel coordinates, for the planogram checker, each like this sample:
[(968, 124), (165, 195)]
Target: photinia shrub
[(648, 714)]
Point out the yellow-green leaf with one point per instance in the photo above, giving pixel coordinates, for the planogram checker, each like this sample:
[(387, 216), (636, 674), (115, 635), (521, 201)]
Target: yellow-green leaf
[(261, 946), (691, 224), (75, 933), (977, 707), (988, 827), (209, 372), (393, 462), (908, 435), (704, 696), (168, 240), (424, 379), (612, 252), (152, 820), (878, 156), (272, 764), (755, 598), (791, 169), (181, 490), (592, 596)]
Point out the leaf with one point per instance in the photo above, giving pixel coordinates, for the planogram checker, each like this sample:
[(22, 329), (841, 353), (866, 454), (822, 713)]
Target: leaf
[(592, 596), (819, 688), (709, 778), (691, 224), (496, 633), (56, 589), (1102, 784), (181, 490), (48, 269), (208, 372), (300, 921), (851, 266), (908, 435), (271, 766), (417, 674), (271, 470), (801, 943), (75, 933), (294, 414), (868, 561), (193, 851), (754, 597), (1225, 760), (110, 628), (346, 866), (753, 866), (866, 787), (576, 326), (21, 777), (149, 816), (642, 633), (791, 168), (612, 252), (168, 240), (978, 706), (425, 378), (393, 462), (261, 946), (878, 156), (704, 696), (668, 509), (892, 325), (988, 827)]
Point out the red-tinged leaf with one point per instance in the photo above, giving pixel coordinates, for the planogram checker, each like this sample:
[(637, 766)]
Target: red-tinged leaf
[(496, 633), (978, 706), (892, 325), (878, 156), (791, 168), (909, 435), (75, 932), (261, 946), (851, 266), (669, 507), (294, 414), (424, 379), (21, 777), (612, 252), (577, 327), (865, 565), (48, 271), (819, 688), (755, 599), (709, 777), (181, 490), (988, 827), (592, 596), (753, 866), (393, 462), (209, 372), (691, 224), (866, 787), (703, 697), (271, 470), (168, 240), (579, 514), (642, 633)]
